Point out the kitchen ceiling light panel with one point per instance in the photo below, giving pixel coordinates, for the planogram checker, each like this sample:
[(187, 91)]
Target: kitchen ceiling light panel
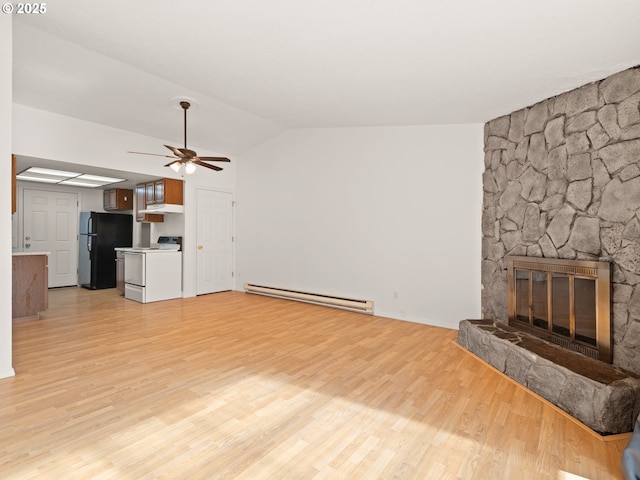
[(51, 172), (47, 175), (35, 178), (78, 183), (99, 180)]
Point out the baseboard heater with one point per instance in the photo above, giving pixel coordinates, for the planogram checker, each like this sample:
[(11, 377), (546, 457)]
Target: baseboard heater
[(352, 304)]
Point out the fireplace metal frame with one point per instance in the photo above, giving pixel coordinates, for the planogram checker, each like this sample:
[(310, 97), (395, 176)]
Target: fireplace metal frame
[(598, 271)]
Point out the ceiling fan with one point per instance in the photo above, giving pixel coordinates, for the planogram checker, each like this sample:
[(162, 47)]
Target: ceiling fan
[(184, 156)]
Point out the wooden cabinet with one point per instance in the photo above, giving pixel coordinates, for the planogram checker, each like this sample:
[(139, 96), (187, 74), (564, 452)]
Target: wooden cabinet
[(141, 203), (29, 285), (118, 199), (172, 191), (164, 190), (158, 191), (149, 196)]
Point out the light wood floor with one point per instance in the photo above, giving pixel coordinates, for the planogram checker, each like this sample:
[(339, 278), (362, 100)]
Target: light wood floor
[(239, 386)]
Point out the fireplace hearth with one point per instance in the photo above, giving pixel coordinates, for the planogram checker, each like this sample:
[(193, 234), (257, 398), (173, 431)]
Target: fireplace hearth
[(602, 396)]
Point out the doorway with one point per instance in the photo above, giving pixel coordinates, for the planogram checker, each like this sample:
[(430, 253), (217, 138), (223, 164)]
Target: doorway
[(50, 223), (214, 234)]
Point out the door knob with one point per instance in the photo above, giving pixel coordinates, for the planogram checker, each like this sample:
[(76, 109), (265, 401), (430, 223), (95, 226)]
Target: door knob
[(27, 245), (27, 238), (200, 247)]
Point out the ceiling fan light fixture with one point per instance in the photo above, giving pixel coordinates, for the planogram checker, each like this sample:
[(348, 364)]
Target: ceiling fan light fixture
[(189, 168), (175, 166)]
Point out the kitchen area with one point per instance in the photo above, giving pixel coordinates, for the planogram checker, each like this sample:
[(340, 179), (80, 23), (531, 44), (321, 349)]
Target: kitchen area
[(150, 271), (128, 239)]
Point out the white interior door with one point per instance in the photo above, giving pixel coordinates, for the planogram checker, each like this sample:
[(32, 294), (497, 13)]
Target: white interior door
[(50, 223), (215, 241)]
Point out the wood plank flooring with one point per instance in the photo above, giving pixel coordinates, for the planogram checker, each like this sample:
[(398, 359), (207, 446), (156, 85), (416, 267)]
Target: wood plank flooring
[(235, 386)]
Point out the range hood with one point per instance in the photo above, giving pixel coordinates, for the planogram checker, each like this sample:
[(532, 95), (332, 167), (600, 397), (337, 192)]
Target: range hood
[(163, 208)]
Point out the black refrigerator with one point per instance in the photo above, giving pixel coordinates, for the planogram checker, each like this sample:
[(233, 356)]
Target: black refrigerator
[(100, 233)]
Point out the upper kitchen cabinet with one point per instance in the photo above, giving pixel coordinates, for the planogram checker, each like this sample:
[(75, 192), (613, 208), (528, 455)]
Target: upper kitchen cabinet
[(156, 193), (166, 190), (141, 204), (118, 199)]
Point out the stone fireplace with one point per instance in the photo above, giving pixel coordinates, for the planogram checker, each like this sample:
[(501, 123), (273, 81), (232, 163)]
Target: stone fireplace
[(562, 181)]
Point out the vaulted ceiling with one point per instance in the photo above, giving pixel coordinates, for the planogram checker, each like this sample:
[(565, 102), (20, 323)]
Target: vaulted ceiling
[(259, 67)]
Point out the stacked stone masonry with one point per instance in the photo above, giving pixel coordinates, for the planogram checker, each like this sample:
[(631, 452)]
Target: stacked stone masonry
[(562, 180)]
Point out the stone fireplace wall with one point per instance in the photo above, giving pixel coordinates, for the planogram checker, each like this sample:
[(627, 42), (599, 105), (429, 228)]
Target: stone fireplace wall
[(562, 180)]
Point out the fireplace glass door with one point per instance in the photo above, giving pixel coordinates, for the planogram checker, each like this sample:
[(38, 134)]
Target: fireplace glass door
[(553, 309), (558, 301), (539, 306), (585, 310), (560, 305)]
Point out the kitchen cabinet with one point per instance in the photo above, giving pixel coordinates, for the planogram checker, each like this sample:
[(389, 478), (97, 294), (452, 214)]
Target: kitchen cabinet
[(149, 193), (165, 190), (156, 192), (29, 284), (118, 199), (141, 204)]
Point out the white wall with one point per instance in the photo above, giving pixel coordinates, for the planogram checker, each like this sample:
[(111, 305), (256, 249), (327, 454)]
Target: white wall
[(363, 212), (41, 134), (6, 368), (367, 213)]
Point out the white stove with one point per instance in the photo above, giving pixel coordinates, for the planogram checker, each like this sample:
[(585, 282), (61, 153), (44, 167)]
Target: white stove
[(153, 273), (167, 243)]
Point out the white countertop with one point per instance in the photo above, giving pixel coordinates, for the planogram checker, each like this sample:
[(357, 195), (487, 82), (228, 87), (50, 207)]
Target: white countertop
[(16, 252)]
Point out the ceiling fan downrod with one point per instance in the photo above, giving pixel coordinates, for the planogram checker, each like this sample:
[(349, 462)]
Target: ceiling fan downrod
[(185, 106)]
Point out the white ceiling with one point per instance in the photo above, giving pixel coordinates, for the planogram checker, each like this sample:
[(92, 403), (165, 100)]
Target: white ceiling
[(258, 67)]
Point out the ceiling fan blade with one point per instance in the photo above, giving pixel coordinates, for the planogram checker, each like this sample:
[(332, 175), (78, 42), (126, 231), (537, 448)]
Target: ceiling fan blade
[(188, 153), (214, 159), (176, 151), (154, 154), (202, 164), (174, 161)]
